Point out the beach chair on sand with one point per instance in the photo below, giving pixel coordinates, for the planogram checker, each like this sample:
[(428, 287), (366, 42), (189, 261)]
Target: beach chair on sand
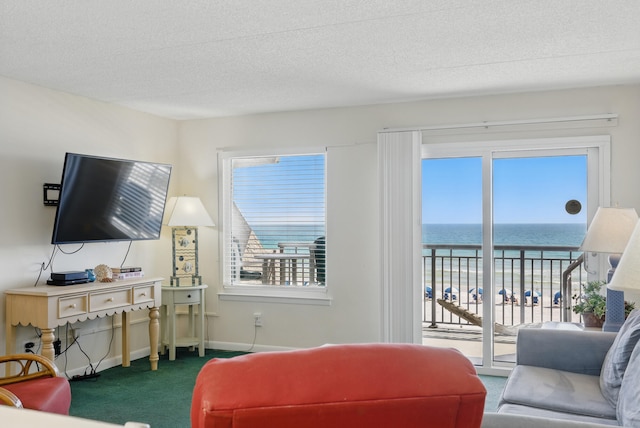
[(475, 319)]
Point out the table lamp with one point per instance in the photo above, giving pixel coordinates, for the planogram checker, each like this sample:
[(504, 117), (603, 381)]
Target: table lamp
[(609, 232), (627, 277), (185, 214)]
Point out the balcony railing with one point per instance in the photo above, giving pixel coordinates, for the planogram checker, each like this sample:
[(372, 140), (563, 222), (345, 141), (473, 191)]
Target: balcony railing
[(527, 283)]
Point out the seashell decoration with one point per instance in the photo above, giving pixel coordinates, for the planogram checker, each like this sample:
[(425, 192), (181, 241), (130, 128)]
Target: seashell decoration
[(103, 273)]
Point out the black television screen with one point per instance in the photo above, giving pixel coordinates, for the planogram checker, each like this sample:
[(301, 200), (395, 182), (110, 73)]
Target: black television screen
[(104, 199)]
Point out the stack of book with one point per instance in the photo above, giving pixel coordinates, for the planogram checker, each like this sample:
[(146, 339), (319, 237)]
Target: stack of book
[(127, 272)]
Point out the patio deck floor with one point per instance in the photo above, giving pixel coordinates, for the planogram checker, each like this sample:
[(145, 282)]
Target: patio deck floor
[(468, 340)]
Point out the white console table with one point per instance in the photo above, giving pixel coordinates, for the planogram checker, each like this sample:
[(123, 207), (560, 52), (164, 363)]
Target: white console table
[(48, 307)]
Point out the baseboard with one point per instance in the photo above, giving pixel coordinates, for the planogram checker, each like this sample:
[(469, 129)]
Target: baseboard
[(107, 363), (245, 347)]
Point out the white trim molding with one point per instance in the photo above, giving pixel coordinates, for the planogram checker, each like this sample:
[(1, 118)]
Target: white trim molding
[(606, 119)]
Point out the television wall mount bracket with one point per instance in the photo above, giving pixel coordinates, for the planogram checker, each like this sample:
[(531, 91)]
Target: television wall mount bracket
[(50, 194)]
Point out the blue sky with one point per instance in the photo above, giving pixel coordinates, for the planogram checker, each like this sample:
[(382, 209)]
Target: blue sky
[(526, 190), (290, 190)]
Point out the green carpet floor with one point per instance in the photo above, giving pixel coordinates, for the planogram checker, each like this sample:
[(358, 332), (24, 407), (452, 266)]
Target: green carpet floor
[(162, 398)]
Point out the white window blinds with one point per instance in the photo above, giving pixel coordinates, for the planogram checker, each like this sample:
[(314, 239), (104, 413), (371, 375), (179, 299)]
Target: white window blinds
[(275, 231)]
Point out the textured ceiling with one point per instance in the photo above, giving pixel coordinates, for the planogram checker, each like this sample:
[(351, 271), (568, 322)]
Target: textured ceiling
[(209, 58)]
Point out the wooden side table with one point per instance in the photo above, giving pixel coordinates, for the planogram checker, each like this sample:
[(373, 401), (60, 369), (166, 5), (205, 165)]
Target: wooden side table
[(173, 297)]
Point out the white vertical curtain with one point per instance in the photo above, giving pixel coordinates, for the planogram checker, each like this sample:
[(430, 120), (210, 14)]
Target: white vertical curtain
[(401, 230)]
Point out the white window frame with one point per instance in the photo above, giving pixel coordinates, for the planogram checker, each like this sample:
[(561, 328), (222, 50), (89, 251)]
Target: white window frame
[(262, 292)]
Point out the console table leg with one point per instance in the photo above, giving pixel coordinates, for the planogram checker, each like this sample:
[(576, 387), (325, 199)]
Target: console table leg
[(126, 351), (48, 338), (154, 327), (10, 344)]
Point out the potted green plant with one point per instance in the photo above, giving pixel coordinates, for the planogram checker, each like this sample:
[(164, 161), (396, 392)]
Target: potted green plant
[(592, 304)]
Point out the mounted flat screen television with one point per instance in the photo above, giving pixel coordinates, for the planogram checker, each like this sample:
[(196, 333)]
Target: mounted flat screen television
[(104, 199)]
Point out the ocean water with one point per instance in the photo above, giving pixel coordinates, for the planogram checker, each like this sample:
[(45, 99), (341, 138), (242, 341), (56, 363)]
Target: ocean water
[(272, 234), (548, 235), (466, 262), (544, 268)]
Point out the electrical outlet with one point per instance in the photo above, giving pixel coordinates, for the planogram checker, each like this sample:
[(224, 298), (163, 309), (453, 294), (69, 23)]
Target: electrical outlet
[(257, 318), (28, 347), (74, 333)]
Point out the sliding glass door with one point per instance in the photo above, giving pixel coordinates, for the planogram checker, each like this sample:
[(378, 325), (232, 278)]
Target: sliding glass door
[(501, 221), (539, 221), (452, 253)]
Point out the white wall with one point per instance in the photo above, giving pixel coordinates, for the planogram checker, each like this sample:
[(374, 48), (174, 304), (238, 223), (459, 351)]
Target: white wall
[(353, 250), (37, 126)]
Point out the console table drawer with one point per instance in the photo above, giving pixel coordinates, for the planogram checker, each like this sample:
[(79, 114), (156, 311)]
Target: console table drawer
[(110, 299), (143, 294), (70, 306)]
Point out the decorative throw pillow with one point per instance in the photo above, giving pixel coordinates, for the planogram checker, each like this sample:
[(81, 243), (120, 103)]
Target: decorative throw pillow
[(617, 358), (628, 409)]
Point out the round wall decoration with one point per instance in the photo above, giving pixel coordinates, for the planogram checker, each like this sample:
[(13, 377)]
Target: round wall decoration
[(573, 206)]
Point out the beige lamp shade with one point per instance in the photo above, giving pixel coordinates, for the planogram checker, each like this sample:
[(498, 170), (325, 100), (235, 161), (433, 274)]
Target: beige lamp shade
[(627, 276), (187, 211), (610, 230)]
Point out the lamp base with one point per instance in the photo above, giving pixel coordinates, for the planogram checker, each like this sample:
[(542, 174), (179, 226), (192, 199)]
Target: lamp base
[(174, 281), (615, 311), (185, 256)]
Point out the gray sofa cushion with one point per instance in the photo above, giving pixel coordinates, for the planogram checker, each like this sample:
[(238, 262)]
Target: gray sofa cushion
[(628, 409), (504, 420), (567, 350), (557, 391), (514, 409), (616, 360)]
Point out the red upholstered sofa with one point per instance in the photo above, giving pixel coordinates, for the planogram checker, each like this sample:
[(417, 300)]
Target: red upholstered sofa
[(357, 385)]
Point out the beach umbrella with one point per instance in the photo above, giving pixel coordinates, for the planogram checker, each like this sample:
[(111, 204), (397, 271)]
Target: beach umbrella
[(475, 295), (451, 290), (557, 297), (534, 294), (506, 293), (427, 292)]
